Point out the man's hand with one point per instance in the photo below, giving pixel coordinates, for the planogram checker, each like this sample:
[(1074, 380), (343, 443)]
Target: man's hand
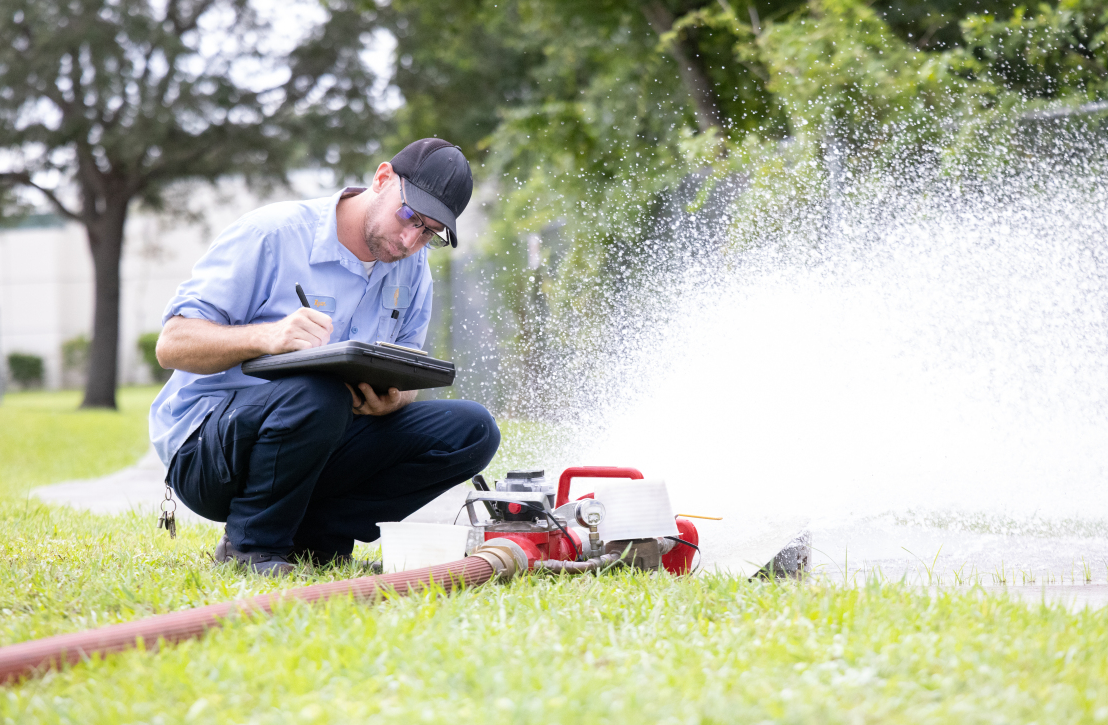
[(370, 403), (301, 330), (200, 346)]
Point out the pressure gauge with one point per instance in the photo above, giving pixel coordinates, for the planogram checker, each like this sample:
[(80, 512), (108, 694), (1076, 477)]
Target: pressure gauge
[(589, 512)]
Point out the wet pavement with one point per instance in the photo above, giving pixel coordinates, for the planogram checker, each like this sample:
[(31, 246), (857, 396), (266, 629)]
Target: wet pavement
[(932, 555)]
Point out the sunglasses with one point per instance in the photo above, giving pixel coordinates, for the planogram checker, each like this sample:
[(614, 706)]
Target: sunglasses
[(407, 214)]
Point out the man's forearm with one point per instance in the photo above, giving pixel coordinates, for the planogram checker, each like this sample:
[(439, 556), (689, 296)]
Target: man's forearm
[(200, 346)]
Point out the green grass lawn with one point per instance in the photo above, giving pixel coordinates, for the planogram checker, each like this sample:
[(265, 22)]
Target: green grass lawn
[(620, 648), (45, 437)]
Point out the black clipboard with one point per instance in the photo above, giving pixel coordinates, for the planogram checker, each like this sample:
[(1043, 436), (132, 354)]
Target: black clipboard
[(383, 366)]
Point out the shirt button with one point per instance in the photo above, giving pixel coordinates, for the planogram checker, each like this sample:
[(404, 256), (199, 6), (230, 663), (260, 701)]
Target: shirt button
[(354, 330)]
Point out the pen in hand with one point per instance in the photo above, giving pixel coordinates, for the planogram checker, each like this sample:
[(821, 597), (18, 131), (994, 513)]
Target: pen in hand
[(304, 301)]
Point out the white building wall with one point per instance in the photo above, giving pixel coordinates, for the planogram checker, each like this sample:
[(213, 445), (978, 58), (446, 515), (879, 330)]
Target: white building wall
[(46, 277)]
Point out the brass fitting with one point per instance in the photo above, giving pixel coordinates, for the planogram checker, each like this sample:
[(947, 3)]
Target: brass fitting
[(506, 557)]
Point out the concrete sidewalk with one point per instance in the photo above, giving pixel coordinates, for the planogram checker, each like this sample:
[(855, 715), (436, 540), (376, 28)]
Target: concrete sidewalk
[(140, 487)]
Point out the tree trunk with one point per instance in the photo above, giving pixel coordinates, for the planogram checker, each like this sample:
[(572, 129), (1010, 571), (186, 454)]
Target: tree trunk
[(105, 238), (692, 72)]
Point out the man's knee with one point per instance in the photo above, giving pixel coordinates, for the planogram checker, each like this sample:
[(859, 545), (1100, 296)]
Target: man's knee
[(317, 405), (483, 434)]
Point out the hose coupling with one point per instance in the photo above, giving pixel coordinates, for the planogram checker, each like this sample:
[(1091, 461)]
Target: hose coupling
[(506, 557)]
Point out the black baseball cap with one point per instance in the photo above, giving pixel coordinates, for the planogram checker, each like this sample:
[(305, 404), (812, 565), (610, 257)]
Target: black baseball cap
[(440, 182)]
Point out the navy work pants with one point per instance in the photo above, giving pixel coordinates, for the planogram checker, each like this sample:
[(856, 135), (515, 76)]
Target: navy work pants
[(287, 464)]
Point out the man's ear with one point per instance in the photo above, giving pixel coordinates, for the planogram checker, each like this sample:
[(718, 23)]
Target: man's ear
[(382, 177)]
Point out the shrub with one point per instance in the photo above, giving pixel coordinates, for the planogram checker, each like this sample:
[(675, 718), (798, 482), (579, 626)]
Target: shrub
[(26, 369), (75, 353), (75, 361), (147, 344)]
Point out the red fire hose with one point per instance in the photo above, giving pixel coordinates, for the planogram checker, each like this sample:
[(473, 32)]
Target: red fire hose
[(28, 658)]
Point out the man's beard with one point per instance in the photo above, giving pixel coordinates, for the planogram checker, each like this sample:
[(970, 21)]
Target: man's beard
[(376, 241)]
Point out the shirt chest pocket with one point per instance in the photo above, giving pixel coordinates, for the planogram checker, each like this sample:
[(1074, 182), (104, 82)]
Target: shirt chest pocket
[(395, 301), (396, 297)]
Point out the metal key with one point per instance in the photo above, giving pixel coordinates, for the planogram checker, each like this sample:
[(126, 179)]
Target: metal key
[(168, 520)]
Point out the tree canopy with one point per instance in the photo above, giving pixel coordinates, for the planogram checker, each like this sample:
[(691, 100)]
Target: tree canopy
[(105, 102)]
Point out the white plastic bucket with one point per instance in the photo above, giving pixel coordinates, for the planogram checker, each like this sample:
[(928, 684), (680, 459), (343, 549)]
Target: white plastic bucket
[(635, 510), (409, 545)]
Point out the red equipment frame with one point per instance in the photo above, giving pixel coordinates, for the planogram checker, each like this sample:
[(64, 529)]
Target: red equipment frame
[(553, 545), (591, 472)]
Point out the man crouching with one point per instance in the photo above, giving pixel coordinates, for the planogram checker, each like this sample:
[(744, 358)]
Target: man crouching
[(302, 467)]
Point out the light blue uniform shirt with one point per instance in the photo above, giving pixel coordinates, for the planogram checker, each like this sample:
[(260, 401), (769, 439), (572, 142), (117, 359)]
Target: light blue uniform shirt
[(249, 276)]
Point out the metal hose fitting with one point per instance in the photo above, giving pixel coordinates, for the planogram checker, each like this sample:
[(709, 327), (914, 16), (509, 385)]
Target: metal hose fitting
[(577, 567), (506, 557)]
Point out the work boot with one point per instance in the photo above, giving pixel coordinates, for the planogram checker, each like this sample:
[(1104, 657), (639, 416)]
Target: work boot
[(263, 562)]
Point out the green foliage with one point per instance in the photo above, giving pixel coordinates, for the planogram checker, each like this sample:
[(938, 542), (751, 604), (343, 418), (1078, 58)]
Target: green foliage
[(843, 74), (1052, 51), (25, 369), (147, 345), (458, 65), (75, 353), (582, 89), (144, 104), (46, 439), (739, 77), (838, 69), (935, 24)]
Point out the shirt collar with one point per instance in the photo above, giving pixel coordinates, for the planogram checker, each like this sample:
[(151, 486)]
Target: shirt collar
[(326, 246)]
